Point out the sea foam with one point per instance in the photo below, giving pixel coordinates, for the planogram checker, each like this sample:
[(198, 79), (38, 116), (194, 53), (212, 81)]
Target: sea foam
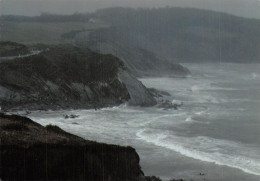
[(204, 149)]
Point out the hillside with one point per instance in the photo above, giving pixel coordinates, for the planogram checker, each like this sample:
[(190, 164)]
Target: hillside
[(75, 29), (139, 61), (172, 35), (183, 34), (44, 29), (68, 77)]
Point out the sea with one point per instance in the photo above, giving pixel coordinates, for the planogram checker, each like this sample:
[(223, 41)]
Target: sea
[(214, 135)]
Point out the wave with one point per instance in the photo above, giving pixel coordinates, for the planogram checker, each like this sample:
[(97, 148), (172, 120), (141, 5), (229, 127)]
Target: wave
[(210, 86), (178, 102), (205, 149), (189, 119), (252, 76), (255, 75), (204, 98), (114, 107), (196, 88)]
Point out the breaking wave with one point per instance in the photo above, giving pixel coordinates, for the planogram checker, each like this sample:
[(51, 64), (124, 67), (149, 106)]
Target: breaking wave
[(205, 149)]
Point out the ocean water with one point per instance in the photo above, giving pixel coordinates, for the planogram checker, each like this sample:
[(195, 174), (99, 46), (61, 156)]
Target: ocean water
[(215, 135)]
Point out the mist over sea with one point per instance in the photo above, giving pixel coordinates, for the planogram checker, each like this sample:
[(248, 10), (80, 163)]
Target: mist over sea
[(214, 135)]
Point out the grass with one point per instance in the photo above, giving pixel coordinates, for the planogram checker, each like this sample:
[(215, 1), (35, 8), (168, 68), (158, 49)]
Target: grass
[(15, 127), (55, 129), (48, 33), (12, 49)]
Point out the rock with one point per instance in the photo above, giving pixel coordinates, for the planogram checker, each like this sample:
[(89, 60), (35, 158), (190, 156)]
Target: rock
[(30, 151), (158, 93), (168, 105), (72, 116), (139, 94)]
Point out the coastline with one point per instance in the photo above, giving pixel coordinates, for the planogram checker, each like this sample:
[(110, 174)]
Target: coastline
[(154, 160), (30, 151)]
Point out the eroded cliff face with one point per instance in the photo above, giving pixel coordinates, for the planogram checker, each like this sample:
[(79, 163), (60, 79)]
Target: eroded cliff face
[(30, 151), (66, 77), (139, 94)]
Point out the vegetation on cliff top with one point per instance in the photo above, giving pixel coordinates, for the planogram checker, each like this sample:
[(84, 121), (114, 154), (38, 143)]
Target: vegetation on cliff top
[(30, 151), (49, 153), (8, 48)]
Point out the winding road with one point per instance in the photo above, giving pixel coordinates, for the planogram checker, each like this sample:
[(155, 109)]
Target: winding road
[(33, 52)]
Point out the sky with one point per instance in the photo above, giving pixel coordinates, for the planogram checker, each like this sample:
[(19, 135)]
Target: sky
[(245, 8)]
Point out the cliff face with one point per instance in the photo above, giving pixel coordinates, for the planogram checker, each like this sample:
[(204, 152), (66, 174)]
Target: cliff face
[(30, 151), (136, 88), (64, 77)]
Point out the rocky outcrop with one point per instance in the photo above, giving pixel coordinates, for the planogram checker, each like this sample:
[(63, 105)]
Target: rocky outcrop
[(30, 151), (67, 77), (138, 93), (164, 99)]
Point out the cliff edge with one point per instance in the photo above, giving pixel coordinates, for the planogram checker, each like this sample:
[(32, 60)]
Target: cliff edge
[(30, 151)]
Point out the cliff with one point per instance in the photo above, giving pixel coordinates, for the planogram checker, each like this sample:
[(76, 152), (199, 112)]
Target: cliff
[(66, 77), (30, 151), (136, 88)]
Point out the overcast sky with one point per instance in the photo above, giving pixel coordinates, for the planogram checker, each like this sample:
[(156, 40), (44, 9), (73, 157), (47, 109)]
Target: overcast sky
[(246, 8)]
